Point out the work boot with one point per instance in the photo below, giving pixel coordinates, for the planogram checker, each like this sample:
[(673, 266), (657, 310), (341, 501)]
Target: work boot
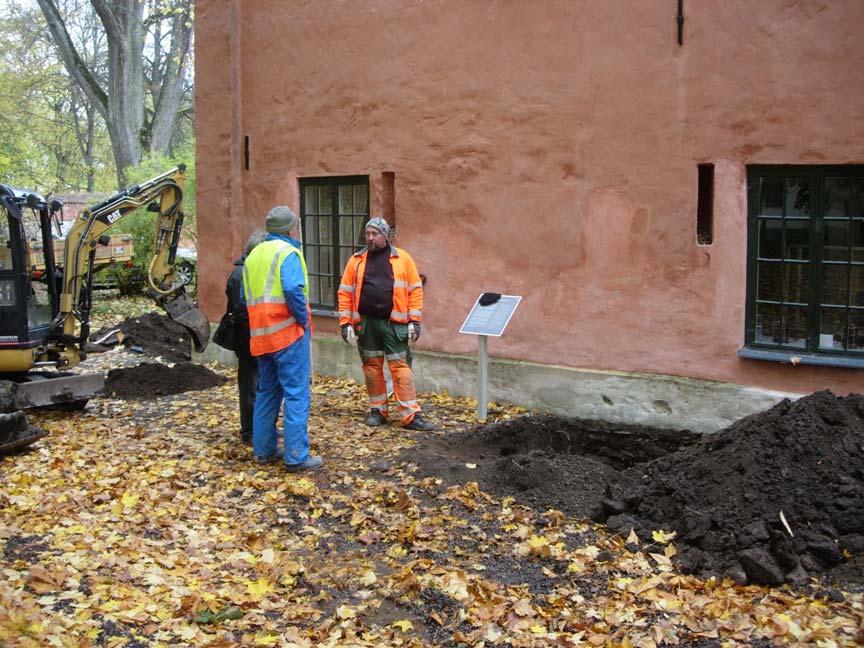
[(312, 462), (374, 418), (263, 461), (419, 423), (246, 438)]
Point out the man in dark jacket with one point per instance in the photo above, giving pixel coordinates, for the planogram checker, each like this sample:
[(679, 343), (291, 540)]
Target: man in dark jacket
[(247, 365)]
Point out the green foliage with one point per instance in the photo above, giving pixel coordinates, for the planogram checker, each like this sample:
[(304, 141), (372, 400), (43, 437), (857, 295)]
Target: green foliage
[(39, 148), (53, 139), (156, 164), (129, 280), (205, 616), (141, 224)]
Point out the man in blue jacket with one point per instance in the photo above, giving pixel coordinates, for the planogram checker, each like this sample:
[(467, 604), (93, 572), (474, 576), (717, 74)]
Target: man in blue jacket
[(275, 288)]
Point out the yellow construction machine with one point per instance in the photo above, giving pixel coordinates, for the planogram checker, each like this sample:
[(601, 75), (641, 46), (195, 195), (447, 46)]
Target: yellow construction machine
[(45, 316)]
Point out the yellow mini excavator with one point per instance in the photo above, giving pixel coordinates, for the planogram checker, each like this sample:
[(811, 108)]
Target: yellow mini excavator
[(45, 321)]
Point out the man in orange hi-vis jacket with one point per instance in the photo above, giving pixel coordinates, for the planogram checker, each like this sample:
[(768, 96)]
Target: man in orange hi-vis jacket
[(380, 310)]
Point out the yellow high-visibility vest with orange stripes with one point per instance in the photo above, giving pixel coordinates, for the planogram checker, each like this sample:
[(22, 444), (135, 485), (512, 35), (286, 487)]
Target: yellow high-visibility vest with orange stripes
[(272, 326)]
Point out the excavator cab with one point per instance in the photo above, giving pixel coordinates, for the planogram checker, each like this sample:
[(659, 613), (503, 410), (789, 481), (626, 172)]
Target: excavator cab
[(27, 305)]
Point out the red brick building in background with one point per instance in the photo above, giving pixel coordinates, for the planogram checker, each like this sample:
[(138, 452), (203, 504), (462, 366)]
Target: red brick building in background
[(678, 198)]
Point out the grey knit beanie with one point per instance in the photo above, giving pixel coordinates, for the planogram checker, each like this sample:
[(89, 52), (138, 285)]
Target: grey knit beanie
[(281, 220), (380, 224)]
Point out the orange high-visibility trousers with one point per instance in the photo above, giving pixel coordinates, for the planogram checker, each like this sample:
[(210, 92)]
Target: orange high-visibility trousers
[(381, 340)]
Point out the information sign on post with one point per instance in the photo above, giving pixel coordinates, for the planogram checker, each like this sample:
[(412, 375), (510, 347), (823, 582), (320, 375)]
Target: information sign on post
[(489, 316)]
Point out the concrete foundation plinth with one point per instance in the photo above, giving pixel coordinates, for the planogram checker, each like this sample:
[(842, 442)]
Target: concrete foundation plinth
[(623, 397)]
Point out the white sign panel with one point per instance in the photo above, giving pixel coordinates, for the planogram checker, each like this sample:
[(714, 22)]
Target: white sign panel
[(492, 319)]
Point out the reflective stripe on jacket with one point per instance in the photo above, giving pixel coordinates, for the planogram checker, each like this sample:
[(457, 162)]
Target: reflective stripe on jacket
[(407, 288), (272, 326)]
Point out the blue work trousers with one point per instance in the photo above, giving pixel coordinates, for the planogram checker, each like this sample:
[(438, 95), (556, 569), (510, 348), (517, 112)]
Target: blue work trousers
[(283, 375)]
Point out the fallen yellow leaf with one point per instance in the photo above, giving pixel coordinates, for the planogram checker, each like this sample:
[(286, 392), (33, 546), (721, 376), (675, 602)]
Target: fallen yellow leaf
[(663, 537)]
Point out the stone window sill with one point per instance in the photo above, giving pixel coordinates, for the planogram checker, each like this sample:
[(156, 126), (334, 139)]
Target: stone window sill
[(317, 312), (842, 362)]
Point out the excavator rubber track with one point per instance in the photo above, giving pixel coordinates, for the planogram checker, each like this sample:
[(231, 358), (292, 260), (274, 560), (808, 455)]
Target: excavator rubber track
[(16, 433), (48, 389)]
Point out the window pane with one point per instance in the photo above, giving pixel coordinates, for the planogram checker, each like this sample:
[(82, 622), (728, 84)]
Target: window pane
[(360, 195), (795, 324), (797, 283), (325, 205), (857, 285), (768, 324), (327, 291), (832, 328), (346, 199), (834, 286), (797, 197), (346, 231), (857, 234), (858, 199), (311, 233), (310, 202), (770, 281), (344, 255), (770, 233), (856, 330), (325, 230), (797, 239), (836, 236), (314, 296), (771, 197), (325, 261), (359, 231), (837, 194), (312, 258)]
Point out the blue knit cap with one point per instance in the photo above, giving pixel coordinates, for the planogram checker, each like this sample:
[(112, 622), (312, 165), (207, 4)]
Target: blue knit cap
[(380, 224)]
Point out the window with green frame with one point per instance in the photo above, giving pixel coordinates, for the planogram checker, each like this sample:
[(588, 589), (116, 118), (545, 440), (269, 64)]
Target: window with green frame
[(805, 262), (333, 213)]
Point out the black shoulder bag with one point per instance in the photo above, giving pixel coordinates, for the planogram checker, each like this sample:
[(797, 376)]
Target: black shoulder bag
[(226, 333)]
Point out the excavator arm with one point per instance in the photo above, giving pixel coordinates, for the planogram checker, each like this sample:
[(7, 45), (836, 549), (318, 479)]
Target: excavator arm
[(163, 196)]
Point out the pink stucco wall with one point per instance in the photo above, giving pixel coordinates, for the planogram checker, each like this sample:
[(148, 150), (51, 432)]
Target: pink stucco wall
[(547, 149)]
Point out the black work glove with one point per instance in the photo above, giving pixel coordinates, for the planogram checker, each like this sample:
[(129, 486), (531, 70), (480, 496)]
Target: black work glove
[(413, 331), (348, 334)]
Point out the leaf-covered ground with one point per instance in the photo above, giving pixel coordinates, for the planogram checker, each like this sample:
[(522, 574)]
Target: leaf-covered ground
[(145, 523)]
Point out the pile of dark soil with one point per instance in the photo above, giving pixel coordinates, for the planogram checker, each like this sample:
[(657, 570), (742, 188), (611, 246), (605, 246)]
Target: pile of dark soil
[(154, 334), (722, 494), (727, 496), (150, 380)]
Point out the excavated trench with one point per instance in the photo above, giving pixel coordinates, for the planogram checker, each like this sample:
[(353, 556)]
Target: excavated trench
[(776, 497), (546, 461)]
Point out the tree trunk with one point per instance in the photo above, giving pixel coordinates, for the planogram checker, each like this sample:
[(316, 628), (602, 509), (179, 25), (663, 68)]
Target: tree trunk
[(120, 98), (170, 90)]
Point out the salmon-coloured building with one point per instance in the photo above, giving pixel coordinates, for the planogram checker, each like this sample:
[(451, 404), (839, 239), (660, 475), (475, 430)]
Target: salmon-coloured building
[(676, 190)]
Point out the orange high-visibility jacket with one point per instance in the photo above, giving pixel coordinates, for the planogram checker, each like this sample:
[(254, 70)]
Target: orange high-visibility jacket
[(407, 288)]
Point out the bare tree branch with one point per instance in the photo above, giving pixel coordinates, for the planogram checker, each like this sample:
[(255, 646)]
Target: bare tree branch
[(75, 65)]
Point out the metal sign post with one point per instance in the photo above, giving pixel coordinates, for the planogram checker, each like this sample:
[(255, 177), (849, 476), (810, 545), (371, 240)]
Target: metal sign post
[(484, 321), (482, 376)]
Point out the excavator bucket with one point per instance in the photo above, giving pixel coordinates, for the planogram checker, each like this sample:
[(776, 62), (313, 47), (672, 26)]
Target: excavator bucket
[(183, 311)]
